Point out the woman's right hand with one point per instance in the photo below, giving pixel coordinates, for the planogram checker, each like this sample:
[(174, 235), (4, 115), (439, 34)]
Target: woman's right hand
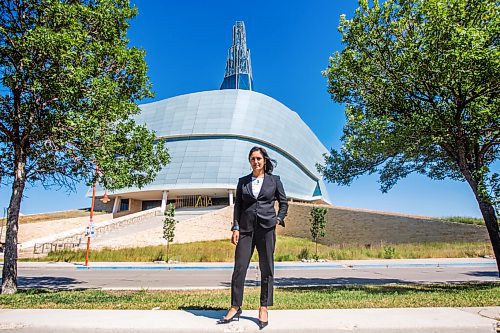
[(236, 237)]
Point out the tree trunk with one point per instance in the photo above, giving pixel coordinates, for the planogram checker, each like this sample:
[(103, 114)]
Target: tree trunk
[(491, 222), (487, 209), (168, 257), (9, 272)]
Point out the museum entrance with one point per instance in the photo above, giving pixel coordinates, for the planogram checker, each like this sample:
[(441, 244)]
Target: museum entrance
[(149, 204)]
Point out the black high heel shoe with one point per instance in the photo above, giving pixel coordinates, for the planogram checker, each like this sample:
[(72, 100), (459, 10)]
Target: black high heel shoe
[(263, 324), (234, 317)]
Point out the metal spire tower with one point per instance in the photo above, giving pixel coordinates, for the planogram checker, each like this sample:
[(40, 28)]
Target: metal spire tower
[(238, 74)]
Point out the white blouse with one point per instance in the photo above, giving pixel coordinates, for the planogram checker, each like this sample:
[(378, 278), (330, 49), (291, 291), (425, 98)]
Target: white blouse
[(257, 185)]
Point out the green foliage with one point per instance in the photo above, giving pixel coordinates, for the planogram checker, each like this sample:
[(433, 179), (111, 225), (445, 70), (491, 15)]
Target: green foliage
[(304, 253), (318, 225), (159, 256), (169, 226), (169, 223), (389, 252), (419, 79), (318, 222), (284, 257), (70, 85), (464, 219)]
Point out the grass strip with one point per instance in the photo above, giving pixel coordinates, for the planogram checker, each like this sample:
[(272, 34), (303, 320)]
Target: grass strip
[(463, 219), (333, 297), (287, 249)]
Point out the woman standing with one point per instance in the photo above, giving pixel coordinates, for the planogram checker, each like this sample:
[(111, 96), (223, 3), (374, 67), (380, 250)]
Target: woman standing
[(254, 225)]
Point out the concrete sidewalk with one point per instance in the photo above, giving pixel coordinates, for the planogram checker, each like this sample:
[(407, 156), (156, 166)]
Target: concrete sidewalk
[(421, 320)]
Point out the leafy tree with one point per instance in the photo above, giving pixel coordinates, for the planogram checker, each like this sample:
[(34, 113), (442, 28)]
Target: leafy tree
[(69, 86), (318, 224), (420, 82), (169, 227)]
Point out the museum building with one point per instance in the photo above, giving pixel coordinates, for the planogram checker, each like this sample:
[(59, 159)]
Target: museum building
[(209, 134)]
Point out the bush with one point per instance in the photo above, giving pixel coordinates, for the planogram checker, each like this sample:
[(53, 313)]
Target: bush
[(389, 252), (304, 254), (159, 256), (285, 257)]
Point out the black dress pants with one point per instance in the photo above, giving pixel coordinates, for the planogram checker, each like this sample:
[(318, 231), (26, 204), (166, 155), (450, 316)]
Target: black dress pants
[(264, 239)]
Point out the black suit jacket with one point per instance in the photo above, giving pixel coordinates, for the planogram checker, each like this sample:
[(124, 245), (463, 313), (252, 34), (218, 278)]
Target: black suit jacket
[(249, 210)]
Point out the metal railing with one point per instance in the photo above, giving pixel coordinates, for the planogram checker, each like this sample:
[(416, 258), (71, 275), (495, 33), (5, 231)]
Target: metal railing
[(73, 238), (41, 248)]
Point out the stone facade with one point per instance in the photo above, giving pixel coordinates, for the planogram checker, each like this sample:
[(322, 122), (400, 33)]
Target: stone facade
[(134, 206), (351, 226), (357, 226)]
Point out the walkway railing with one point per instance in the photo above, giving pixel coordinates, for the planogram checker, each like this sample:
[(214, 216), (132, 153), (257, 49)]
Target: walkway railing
[(73, 238)]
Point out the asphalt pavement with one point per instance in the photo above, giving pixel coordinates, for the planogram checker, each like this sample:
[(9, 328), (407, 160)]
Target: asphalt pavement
[(157, 276)]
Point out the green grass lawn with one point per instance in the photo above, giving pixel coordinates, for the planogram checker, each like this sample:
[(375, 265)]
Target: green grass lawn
[(366, 296), (287, 249), (464, 219)]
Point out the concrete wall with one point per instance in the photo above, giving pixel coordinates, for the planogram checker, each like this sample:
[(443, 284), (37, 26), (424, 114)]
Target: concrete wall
[(134, 206), (357, 226)]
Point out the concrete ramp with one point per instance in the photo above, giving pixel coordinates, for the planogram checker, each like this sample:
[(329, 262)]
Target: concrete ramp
[(194, 224)]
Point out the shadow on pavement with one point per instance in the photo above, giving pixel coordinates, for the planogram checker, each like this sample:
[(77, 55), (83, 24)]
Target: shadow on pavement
[(285, 282), (376, 286), (483, 273), (213, 314), (50, 282), (307, 282), (216, 314)]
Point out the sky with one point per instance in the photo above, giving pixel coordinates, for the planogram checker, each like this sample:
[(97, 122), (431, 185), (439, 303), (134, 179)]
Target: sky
[(186, 44)]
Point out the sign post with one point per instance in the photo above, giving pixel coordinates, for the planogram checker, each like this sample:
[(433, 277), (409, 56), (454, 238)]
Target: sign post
[(89, 231)]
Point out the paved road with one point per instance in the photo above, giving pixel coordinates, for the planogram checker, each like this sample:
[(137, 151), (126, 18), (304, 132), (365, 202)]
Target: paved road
[(194, 276)]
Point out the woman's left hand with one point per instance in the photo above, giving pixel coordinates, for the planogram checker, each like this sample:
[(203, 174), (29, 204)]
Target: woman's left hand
[(236, 237)]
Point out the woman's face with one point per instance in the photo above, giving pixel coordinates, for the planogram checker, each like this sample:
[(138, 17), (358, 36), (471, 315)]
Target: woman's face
[(257, 162)]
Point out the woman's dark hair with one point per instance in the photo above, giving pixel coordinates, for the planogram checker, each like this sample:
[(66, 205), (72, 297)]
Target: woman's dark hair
[(270, 163)]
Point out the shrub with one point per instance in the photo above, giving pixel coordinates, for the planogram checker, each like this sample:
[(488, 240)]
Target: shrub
[(389, 252), (304, 254), (285, 257)]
